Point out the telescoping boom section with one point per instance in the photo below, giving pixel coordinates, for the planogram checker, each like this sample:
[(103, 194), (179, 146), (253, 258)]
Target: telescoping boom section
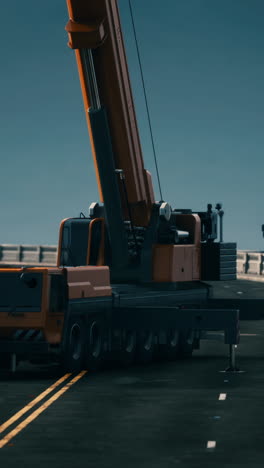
[(95, 34), (125, 186)]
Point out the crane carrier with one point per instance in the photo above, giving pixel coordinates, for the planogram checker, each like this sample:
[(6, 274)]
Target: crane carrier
[(129, 284)]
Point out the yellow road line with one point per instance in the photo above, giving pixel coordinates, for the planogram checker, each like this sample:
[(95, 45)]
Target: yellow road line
[(30, 405), (40, 410)]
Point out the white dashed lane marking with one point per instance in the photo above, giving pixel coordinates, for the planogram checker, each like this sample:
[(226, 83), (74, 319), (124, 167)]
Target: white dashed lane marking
[(211, 444), (249, 334)]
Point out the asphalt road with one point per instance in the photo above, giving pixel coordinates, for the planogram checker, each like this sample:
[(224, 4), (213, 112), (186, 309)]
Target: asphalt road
[(238, 289), (247, 296), (162, 415)]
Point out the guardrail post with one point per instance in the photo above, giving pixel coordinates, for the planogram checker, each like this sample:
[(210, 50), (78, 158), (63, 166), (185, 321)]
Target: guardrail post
[(39, 250), (19, 253), (261, 264), (246, 263)]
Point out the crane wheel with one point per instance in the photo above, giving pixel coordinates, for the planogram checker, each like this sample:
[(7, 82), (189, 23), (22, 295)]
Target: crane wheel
[(167, 345), (128, 347), (5, 362), (173, 343), (145, 346), (95, 346), (73, 358), (186, 344)]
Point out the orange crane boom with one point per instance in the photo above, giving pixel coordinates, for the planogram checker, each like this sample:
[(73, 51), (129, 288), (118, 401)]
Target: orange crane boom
[(95, 33)]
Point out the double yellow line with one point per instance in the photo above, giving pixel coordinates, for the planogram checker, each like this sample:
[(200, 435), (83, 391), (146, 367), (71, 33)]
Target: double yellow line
[(38, 411)]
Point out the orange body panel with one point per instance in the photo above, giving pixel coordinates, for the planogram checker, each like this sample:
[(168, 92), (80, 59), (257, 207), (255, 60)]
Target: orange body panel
[(192, 224), (90, 281), (83, 35), (116, 96), (175, 263), (54, 329), (53, 320), (179, 262), (60, 241), (100, 260)]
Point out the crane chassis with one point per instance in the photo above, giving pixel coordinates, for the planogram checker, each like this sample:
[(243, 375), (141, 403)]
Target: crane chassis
[(130, 281)]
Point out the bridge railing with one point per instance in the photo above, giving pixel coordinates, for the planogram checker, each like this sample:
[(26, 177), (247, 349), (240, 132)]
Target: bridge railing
[(22, 255), (250, 263)]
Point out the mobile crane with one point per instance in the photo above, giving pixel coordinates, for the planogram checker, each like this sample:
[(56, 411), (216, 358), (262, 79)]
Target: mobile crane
[(129, 282)]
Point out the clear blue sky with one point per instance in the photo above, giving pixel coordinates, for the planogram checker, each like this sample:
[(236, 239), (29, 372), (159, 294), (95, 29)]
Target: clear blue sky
[(204, 71)]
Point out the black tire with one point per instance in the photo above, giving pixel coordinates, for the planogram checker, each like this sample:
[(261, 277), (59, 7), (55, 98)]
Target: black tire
[(173, 344), (95, 346), (160, 351), (128, 347), (5, 362), (186, 344), (168, 345), (73, 358), (145, 347)]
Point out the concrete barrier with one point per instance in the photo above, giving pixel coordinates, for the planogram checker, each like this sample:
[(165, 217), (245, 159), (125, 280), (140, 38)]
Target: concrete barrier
[(23, 255), (250, 263)]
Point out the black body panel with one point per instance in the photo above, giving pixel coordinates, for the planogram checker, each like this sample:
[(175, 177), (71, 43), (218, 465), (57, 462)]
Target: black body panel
[(218, 261), (161, 294), (74, 242), (18, 295), (29, 348)]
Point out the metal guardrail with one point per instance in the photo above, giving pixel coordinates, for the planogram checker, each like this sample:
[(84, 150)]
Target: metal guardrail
[(250, 263)]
